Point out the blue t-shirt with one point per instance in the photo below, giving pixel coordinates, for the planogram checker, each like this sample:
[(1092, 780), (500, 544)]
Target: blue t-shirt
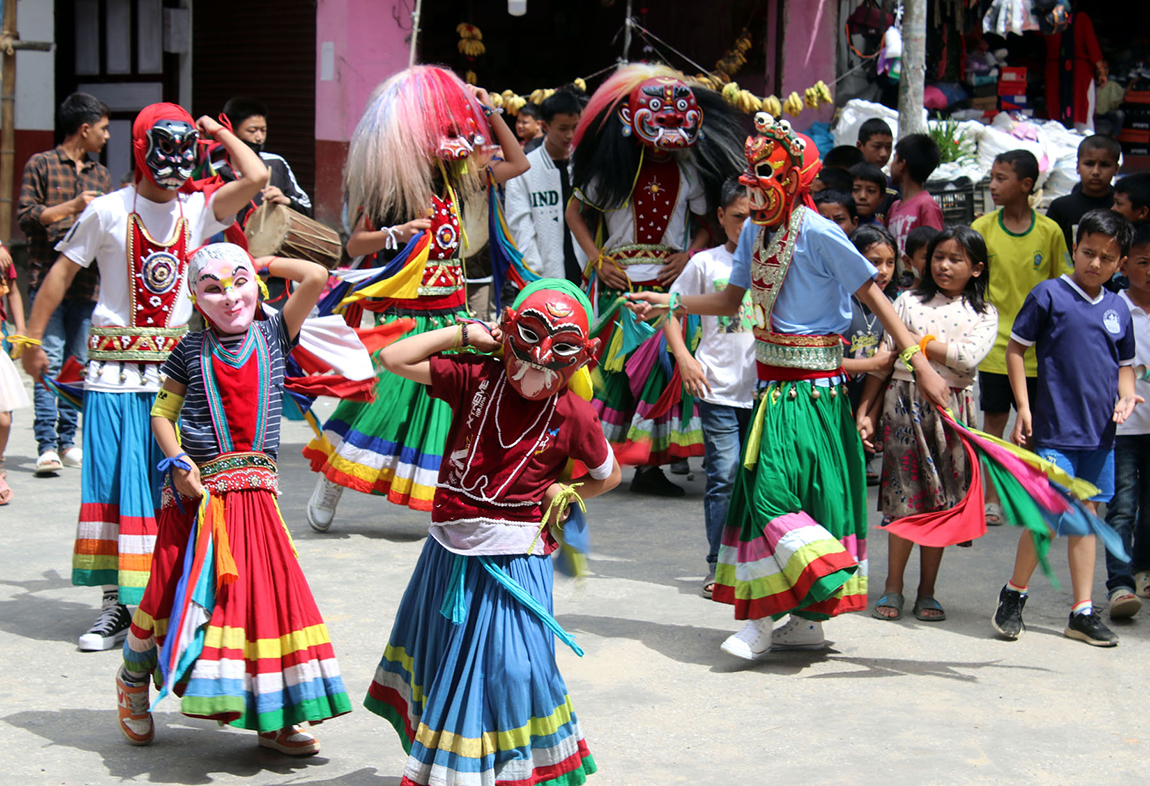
[(184, 365), (825, 271), (1079, 343)]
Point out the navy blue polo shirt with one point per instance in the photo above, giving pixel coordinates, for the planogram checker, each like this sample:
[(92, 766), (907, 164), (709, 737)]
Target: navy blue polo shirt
[(1080, 343)]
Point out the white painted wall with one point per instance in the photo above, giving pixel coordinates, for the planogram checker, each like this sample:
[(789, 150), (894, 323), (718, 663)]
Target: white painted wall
[(35, 71)]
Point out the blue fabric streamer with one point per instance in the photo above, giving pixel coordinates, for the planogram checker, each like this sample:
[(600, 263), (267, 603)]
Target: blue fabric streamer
[(1080, 522), (166, 466), (454, 600), (532, 605)]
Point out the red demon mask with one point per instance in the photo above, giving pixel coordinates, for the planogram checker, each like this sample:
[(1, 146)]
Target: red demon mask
[(546, 339), (662, 113), (777, 170)]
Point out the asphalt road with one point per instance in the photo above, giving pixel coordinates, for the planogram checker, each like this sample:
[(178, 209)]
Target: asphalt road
[(903, 702)]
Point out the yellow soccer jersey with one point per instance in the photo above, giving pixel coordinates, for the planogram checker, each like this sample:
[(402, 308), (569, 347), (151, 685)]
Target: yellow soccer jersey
[(1018, 262)]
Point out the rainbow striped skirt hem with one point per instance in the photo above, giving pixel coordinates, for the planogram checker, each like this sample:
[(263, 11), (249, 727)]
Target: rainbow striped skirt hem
[(267, 661), (481, 702)]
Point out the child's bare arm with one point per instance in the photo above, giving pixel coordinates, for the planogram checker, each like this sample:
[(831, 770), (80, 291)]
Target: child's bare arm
[(16, 308), (932, 385), (590, 488), (1016, 372), (690, 369), (411, 357), (365, 241), (1127, 398), (187, 481), (311, 278), (865, 417)]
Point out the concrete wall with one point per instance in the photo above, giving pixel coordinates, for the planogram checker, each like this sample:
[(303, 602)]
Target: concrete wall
[(359, 44)]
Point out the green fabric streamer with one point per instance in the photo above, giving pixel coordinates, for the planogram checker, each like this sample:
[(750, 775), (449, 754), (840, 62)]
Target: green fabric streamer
[(1021, 510)]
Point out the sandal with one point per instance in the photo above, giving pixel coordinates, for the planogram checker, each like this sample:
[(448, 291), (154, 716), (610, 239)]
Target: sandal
[(994, 515), (709, 584), (889, 600), (6, 494), (928, 604)]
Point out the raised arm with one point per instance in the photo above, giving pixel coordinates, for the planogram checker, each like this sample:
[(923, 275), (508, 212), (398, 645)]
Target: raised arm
[(228, 200), (311, 279), (411, 357), (514, 161)]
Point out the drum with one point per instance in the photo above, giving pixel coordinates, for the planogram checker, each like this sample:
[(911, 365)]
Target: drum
[(279, 230)]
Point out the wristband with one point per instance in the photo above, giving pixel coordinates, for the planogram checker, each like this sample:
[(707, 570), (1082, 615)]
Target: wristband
[(926, 340), (167, 405), (488, 111), (909, 353), (463, 334), (674, 304)]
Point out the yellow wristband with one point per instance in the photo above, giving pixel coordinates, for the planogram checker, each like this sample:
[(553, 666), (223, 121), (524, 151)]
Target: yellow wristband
[(168, 405), (909, 353)]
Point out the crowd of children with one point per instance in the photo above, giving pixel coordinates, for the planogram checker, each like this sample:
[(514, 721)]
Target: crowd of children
[(804, 325)]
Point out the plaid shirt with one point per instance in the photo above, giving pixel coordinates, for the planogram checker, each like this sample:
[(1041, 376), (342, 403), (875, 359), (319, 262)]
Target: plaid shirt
[(50, 179)]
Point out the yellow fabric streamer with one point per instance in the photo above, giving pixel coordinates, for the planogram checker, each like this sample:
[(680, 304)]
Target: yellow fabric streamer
[(567, 495), (580, 384), (168, 405), (1082, 489), (19, 342), (755, 438), (404, 285)]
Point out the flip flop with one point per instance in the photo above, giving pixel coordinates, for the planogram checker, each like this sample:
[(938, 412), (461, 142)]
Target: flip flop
[(708, 589), (5, 492), (924, 604), (889, 600), (994, 514)]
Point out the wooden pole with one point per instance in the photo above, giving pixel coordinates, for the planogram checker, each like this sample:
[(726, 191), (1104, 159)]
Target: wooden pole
[(9, 43), (910, 86), (624, 59), (414, 31)]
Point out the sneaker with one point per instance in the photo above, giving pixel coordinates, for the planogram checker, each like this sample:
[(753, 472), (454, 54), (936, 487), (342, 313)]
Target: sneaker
[(1142, 583), (681, 467), (1091, 629), (321, 506), (110, 628), (753, 642), (798, 634), (1007, 618), (652, 482), (72, 457), (1124, 604), (135, 720), (293, 741), (48, 463)]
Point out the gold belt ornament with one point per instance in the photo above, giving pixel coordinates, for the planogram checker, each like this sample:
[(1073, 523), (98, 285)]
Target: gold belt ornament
[(139, 344), (812, 353)]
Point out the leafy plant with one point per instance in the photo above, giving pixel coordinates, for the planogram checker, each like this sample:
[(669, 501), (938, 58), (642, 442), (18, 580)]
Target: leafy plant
[(953, 144)]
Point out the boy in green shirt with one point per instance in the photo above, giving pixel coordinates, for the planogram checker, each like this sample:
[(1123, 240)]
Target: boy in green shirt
[(1025, 248)]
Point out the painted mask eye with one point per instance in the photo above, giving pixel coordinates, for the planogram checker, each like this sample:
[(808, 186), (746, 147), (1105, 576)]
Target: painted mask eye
[(528, 335), (681, 104), (565, 350), (656, 104)]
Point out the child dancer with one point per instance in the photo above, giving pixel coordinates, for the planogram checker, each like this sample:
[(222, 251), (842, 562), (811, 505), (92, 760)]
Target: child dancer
[(257, 654), (12, 392), (421, 152), (468, 678), (924, 465)]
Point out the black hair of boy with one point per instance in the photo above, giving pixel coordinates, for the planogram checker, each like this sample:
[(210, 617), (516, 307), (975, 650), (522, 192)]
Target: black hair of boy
[(1141, 236), (873, 127), (1107, 223), (842, 157), (919, 154), (975, 249), (731, 191), (868, 235), (869, 173), (1106, 144), (531, 110), (1024, 164), (835, 179), (832, 196), (919, 237), (1136, 187), (78, 109), (240, 108), (561, 102)]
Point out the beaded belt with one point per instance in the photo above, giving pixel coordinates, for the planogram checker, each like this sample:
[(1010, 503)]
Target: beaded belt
[(233, 472), (640, 254), (133, 343), (440, 269), (817, 353)]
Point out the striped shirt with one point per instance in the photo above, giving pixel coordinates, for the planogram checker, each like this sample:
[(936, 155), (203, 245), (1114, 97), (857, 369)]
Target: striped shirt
[(185, 366)]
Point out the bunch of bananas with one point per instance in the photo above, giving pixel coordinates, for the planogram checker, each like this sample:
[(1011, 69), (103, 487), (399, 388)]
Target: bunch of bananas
[(470, 41), (793, 105), (818, 95), (736, 58), (773, 107), (540, 95)]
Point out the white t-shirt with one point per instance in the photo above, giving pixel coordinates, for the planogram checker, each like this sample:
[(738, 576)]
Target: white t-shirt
[(621, 223), (1139, 420), (726, 347), (100, 235)]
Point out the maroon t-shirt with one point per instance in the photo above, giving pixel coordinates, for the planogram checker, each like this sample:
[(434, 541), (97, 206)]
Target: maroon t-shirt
[(501, 455)]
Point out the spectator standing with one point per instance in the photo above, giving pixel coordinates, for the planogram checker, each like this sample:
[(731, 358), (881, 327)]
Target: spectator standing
[(915, 159), (58, 184), (1097, 166)]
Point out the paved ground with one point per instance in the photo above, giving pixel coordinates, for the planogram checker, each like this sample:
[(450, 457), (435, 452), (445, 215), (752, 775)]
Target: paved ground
[(903, 702)]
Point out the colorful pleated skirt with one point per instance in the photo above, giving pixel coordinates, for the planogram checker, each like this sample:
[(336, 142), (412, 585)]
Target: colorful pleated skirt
[(391, 446), (795, 537), (646, 422), (482, 701), (119, 494), (267, 661)]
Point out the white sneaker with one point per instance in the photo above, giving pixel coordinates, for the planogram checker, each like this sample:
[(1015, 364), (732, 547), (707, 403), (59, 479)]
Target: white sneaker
[(48, 463), (798, 634), (321, 506), (753, 642), (109, 630), (1142, 583), (72, 457)]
